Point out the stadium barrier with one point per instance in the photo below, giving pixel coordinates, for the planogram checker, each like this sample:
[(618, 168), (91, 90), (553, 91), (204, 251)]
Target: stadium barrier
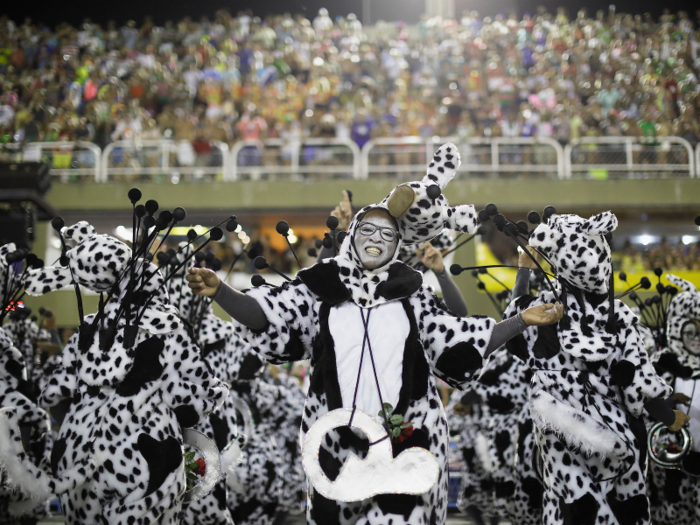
[(396, 157), (630, 157), (68, 161), (296, 159), (497, 157), (158, 159)]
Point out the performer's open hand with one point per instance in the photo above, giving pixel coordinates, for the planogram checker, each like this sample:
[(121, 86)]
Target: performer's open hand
[(524, 261), (431, 257), (681, 399), (681, 419), (343, 212), (543, 314), (203, 281)]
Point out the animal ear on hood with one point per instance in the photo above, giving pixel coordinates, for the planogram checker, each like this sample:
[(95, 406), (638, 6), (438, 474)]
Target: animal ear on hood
[(421, 209), (684, 285), (45, 280), (79, 231), (601, 224)]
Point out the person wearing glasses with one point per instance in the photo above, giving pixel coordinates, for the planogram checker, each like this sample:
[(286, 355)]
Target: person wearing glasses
[(675, 493), (376, 337)]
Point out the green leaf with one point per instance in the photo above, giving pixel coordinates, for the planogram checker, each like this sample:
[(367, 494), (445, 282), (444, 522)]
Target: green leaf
[(395, 432), (396, 419), (388, 408), (406, 425), (189, 456)]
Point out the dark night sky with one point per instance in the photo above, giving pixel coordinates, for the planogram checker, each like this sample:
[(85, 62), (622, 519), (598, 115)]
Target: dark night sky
[(55, 11)]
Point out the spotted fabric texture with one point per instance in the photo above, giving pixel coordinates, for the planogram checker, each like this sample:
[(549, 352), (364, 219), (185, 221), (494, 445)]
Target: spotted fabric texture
[(674, 495), (439, 344), (119, 450), (16, 396), (589, 386), (428, 216), (577, 248), (476, 488), (25, 334)]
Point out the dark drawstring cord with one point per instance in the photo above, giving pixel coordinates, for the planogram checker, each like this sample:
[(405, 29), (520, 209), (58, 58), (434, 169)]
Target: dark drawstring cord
[(365, 341)]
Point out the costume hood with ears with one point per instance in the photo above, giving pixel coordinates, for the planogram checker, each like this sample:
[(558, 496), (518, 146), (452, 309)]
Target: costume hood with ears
[(95, 262), (577, 249), (102, 264), (420, 208), (684, 307), (421, 212)]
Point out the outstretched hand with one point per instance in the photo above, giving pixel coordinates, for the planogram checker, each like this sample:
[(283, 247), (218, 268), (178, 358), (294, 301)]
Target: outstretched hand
[(543, 314), (203, 281), (431, 257), (343, 211), (681, 419), (524, 261)]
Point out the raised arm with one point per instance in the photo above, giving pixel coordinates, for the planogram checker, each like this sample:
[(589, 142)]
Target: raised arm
[(241, 307), (432, 259)]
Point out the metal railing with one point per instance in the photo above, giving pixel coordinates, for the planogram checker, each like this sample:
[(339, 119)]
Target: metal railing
[(298, 159), (165, 158), (491, 157), (67, 160), (396, 157), (629, 157)]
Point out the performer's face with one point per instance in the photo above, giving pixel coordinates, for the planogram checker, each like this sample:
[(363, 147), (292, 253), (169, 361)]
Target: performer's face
[(690, 335), (376, 240)]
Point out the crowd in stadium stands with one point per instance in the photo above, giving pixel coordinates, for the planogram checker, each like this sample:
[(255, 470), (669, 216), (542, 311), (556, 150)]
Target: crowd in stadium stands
[(240, 77)]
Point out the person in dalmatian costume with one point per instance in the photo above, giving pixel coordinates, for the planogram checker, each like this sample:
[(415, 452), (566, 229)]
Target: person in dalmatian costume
[(674, 494), (26, 330), (591, 383), (365, 294), (17, 401), (466, 415), (135, 378), (212, 336), (511, 442), (250, 492)]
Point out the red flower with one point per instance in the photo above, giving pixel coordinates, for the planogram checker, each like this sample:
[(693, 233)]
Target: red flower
[(202, 469), (674, 448), (405, 434)]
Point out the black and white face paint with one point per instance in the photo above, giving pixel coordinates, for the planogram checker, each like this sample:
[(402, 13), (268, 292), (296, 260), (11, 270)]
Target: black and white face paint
[(376, 240), (690, 337)]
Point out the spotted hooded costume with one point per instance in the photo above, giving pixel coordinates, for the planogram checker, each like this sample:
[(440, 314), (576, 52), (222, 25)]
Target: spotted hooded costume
[(17, 401), (135, 377), (674, 494), (476, 485), (211, 335), (591, 380), (517, 491), (321, 316), (249, 493)]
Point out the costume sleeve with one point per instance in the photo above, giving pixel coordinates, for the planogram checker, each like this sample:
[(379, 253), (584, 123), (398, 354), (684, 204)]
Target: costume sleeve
[(451, 294), (454, 346), (62, 382), (292, 322), (634, 373), (189, 386)]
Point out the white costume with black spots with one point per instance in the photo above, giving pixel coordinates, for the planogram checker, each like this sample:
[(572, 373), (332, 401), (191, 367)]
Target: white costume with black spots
[(118, 458), (304, 322), (476, 484), (212, 336), (675, 495), (590, 383), (253, 484), (16, 395), (503, 385)]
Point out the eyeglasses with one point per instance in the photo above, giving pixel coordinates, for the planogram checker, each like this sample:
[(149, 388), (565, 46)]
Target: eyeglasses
[(388, 234), (691, 334)]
